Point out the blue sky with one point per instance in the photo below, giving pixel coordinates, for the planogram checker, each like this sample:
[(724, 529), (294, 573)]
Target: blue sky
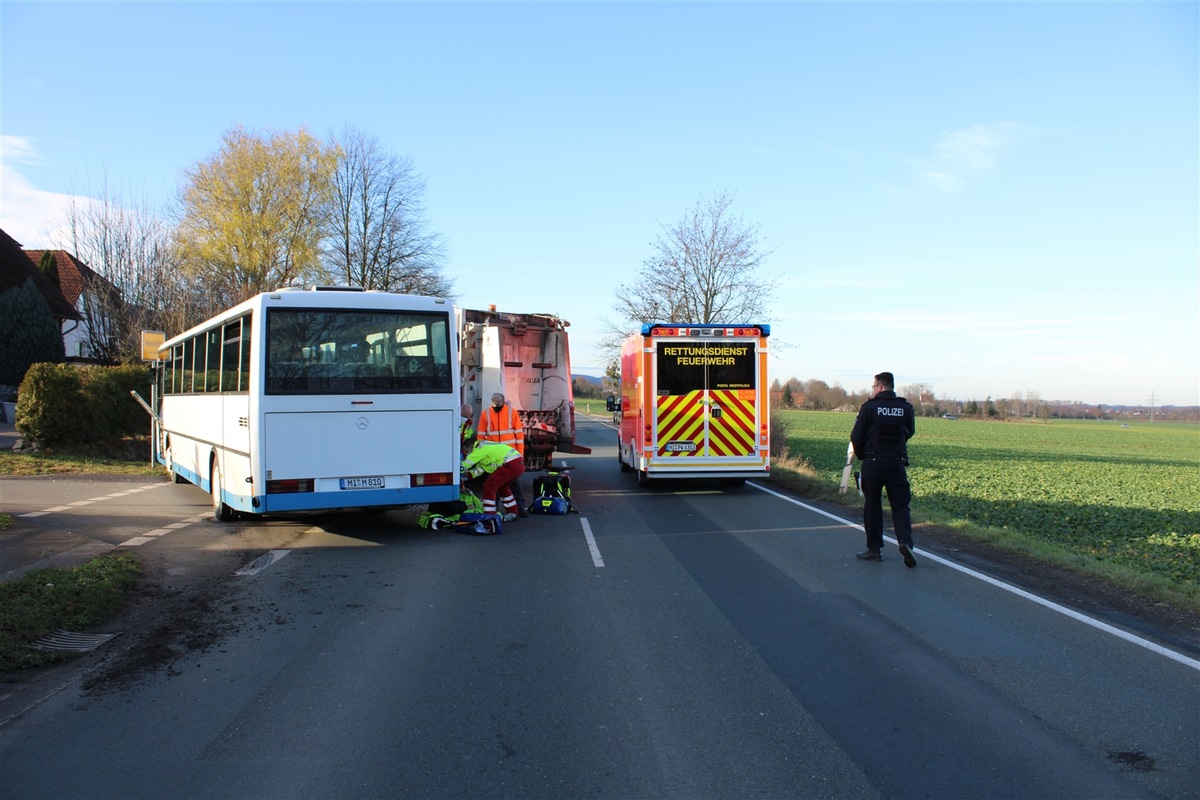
[(990, 198)]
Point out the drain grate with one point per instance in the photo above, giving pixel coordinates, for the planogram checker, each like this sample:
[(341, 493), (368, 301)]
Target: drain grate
[(68, 642)]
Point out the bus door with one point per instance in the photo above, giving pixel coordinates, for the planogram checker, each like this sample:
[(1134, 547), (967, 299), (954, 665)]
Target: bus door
[(706, 399)]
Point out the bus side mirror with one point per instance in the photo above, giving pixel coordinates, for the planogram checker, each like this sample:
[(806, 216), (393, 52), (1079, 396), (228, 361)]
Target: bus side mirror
[(610, 404)]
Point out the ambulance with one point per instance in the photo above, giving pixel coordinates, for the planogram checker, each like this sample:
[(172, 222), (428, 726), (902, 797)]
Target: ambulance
[(694, 402)]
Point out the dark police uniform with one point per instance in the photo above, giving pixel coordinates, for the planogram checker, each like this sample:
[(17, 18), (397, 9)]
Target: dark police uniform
[(880, 437)]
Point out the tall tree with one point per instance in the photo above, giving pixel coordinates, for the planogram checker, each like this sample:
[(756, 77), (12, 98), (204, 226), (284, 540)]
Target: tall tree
[(131, 246), (704, 269), (48, 264), (29, 332), (252, 213), (375, 231)]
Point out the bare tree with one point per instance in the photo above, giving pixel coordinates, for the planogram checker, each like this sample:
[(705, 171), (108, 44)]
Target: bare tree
[(920, 395), (130, 247), (1033, 404), (704, 270), (375, 230)]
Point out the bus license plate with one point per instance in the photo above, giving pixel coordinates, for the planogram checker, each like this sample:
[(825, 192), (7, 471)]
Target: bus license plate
[(362, 483)]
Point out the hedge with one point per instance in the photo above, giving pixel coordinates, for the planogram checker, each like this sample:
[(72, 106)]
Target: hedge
[(66, 404)]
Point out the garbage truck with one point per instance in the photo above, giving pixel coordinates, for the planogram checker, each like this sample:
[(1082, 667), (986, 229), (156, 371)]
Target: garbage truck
[(525, 357)]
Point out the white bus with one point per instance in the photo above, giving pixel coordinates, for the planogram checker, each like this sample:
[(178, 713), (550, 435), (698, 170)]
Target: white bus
[(324, 399)]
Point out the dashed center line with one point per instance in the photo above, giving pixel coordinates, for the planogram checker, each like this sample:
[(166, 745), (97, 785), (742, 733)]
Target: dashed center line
[(89, 501), (591, 542), (150, 536)]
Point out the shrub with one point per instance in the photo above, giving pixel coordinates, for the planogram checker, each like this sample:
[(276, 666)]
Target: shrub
[(114, 412), (61, 404), (51, 406)]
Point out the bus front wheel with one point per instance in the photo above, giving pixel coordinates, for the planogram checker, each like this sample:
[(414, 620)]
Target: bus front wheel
[(221, 512)]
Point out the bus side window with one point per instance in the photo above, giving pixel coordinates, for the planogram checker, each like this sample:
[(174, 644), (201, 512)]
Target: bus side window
[(244, 377), (231, 351), (212, 369), (189, 350)]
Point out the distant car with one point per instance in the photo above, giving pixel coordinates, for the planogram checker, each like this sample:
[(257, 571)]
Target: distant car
[(949, 416)]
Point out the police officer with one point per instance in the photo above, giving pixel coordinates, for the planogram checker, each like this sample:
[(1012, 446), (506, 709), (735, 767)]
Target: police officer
[(880, 437)]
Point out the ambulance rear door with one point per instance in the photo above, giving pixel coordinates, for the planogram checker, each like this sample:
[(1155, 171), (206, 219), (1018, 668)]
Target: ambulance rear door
[(706, 390)]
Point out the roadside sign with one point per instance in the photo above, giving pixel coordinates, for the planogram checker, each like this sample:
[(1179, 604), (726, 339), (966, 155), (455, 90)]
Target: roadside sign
[(151, 341)]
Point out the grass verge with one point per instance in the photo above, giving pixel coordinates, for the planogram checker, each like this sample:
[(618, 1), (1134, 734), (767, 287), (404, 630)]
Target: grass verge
[(799, 476), (127, 457), (67, 598)]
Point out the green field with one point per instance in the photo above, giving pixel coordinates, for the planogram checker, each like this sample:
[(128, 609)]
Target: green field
[(1103, 492)]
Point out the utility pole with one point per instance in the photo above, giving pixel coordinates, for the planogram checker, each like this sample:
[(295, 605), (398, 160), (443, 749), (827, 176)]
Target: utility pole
[(1152, 407)]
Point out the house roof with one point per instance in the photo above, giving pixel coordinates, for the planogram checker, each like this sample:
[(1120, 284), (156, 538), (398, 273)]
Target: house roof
[(15, 268), (73, 275)]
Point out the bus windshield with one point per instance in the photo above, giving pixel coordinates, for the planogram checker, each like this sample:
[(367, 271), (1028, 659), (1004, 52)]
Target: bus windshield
[(343, 351)]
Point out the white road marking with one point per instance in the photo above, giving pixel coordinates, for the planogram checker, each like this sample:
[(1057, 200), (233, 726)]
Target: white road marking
[(78, 503), (150, 536), (1075, 615), (591, 540)]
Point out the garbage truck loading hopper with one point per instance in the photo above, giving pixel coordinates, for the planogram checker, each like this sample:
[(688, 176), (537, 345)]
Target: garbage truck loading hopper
[(525, 357)]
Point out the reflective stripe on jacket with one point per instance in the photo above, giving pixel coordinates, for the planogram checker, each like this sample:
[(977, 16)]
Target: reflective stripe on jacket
[(503, 426), (488, 457)]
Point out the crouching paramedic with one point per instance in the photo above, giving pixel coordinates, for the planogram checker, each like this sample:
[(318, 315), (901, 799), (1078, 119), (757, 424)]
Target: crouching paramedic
[(502, 465)]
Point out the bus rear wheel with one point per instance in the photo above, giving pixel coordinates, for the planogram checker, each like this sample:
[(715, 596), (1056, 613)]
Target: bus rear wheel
[(221, 511)]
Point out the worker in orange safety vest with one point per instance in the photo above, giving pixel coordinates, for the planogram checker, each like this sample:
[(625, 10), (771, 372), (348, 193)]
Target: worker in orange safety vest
[(501, 423)]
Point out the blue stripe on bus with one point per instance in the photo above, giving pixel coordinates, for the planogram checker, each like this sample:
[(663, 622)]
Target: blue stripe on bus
[(367, 498)]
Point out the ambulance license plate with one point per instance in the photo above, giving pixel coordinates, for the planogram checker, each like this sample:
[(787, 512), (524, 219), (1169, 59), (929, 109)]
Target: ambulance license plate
[(375, 482)]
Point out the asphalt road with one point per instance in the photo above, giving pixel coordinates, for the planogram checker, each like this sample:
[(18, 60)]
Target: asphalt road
[(680, 641)]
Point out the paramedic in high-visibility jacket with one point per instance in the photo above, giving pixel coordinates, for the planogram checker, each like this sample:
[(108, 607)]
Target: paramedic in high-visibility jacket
[(502, 465), (880, 437), (501, 423), (466, 428)]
